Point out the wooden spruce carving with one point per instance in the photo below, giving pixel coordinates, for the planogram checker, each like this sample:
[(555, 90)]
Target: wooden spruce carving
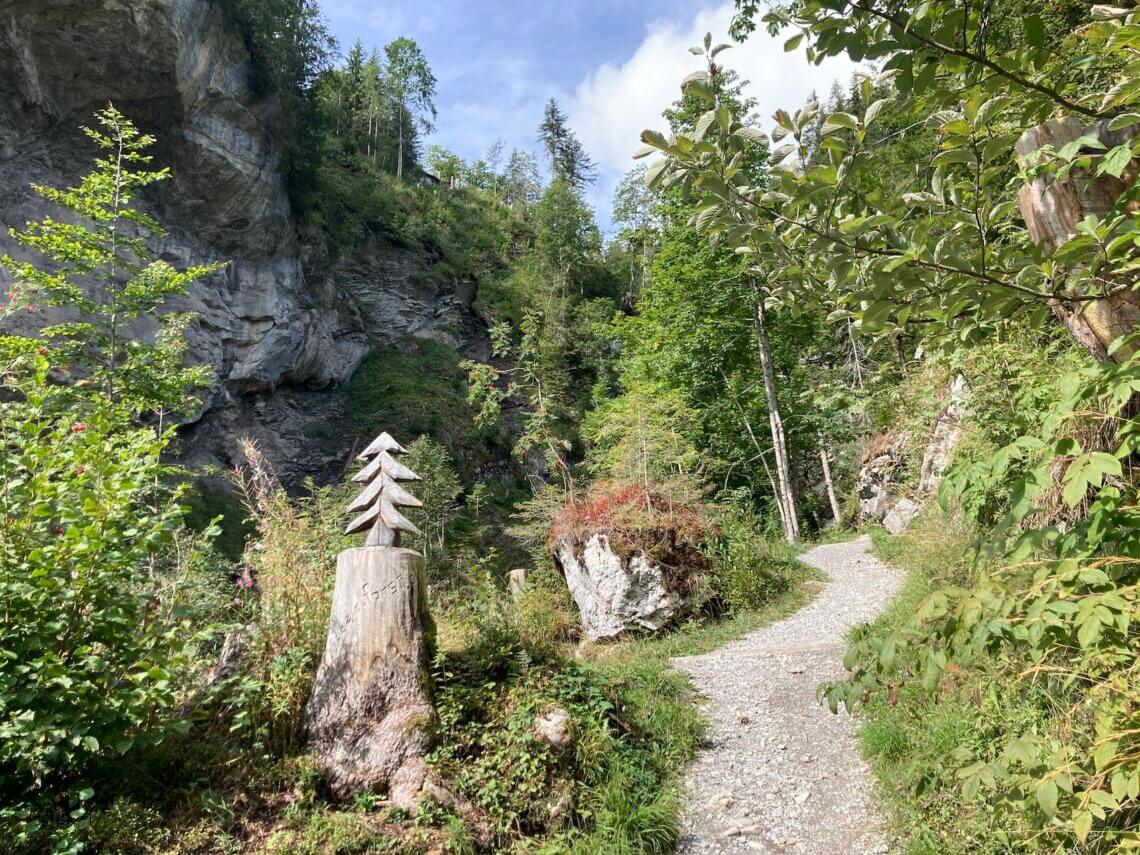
[(381, 499), (370, 718)]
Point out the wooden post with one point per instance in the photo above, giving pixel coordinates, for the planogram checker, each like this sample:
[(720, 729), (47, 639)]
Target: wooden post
[(370, 719)]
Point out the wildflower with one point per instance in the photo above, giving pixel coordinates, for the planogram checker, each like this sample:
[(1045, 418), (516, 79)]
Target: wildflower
[(235, 602), (42, 351), (78, 427), (80, 469)]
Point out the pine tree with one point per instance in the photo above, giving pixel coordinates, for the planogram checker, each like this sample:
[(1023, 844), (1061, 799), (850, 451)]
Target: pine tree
[(568, 160), (102, 267)]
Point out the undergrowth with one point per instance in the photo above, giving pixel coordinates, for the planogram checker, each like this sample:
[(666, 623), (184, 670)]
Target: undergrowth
[(239, 781), (914, 738)]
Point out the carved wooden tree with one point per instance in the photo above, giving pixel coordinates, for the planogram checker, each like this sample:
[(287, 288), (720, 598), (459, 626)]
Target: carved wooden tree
[(370, 719)]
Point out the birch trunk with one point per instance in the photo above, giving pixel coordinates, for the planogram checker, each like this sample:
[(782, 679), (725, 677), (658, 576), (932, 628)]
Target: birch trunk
[(400, 150), (829, 484), (370, 719), (1053, 206), (785, 495)]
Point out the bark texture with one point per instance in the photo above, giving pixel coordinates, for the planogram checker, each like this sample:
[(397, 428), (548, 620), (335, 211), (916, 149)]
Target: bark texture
[(370, 719), (1053, 206)]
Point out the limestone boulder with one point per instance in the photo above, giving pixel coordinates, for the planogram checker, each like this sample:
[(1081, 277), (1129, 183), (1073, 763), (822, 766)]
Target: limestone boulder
[(615, 593)]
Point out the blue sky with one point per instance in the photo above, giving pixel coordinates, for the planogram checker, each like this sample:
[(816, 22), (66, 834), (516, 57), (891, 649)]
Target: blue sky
[(613, 67)]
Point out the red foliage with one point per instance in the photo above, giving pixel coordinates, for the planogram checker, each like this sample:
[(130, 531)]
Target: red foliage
[(663, 521)]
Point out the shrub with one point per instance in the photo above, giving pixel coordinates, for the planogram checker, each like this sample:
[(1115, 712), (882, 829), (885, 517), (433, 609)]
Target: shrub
[(92, 648), (748, 570), (86, 666), (286, 583)]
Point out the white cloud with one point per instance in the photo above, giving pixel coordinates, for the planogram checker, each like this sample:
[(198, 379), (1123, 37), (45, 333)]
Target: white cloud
[(614, 104)]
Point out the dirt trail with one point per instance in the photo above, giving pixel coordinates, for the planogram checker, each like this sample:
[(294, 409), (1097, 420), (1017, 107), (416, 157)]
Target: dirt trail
[(780, 772)]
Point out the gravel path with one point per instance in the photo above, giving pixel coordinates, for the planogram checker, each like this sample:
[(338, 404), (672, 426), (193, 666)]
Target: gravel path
[(779, 772)]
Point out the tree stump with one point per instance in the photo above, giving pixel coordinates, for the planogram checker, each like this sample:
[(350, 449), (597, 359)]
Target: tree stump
[(370, 719), (1053, 206)]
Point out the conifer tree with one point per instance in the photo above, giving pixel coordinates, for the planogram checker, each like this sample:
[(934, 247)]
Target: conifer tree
[(568, 160)]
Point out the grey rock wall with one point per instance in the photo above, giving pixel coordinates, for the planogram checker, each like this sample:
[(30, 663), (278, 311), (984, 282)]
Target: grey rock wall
[(282, 324)]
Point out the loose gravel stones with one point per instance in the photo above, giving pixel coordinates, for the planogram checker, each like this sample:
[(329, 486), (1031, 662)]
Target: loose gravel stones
[(780, 773)]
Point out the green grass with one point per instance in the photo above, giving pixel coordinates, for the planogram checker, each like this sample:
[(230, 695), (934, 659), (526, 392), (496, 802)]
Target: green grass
[(909, 735)]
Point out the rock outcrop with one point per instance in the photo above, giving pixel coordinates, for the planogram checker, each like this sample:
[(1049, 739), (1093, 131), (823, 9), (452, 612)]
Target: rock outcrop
[(282, 324), (615, 593), (878, 483)]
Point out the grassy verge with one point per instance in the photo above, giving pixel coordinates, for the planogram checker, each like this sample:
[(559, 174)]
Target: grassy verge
[(913, 738)]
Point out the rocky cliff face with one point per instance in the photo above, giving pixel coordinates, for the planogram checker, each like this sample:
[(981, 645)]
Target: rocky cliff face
[(881, 495), (281, 320)]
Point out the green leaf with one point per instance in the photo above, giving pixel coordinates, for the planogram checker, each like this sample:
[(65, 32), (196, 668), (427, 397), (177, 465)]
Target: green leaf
[(1089, 632), (1082, 825), (753, 135), (654, 139), (1034, 31), (1047, 796), (839, 121), (874, 110), (1104, 754), (1116, 161), (793, 43), (1125, 120), (1106, 463)]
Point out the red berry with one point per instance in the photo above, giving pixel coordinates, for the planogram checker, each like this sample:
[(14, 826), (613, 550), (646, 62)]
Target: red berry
[(78, 426)]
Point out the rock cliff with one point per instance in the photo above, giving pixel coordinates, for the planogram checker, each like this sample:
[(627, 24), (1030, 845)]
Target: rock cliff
[(282, 325)]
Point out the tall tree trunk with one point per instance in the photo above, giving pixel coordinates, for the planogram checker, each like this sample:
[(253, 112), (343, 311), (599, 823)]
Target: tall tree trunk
[(1053, 206), (370, 719), (400, 149), (856, 359), (783, 469), (829, 483)]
